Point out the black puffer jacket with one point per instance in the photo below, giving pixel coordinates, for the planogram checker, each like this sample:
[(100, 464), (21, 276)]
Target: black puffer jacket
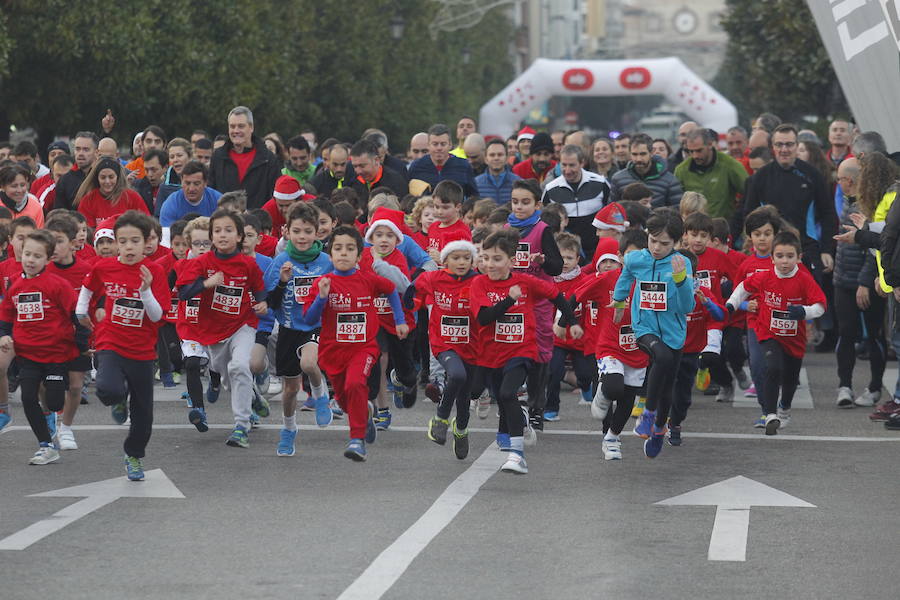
[(850, 258)]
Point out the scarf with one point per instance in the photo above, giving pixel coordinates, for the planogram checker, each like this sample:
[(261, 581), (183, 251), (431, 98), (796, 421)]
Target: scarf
[(304, 256), (523, 223), (568, 275)]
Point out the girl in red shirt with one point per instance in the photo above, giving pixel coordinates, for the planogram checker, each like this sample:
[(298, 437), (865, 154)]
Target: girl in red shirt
[(104, 193), (503, 302), (232, 297), (136, 290)]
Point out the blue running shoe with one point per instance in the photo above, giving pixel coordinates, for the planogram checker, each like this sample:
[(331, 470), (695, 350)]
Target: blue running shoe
[(308, 405), (120, 412), (356, 450), (286, 443), (167, 380), (197, 417), (212, 393), (644, 424), (134, 468), (383, 419), (674, 435), (336, 410), (503, 442), (395, 389), (760, 423), (371, 431), (323, 412), (259, 404), (5, 419), (254, 420), (653, 445), (51, 424), (187, 399), (587, 398), (238, 438), (551, 415)]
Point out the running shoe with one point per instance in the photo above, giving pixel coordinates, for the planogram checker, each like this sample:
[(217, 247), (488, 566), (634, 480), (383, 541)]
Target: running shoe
[(784, 415), (336, 410), (238, 438), (371, 431), (893, 422), (45, 455), (134, 468), (356, 450), (600, 406), (404, 397), (187, 399), (639, 405), (743, 380), (536, 419), (551, 415), (434, 391), (275, 386), (324, 417), (460, 441), (484, 406), (66, 439), (308, 405), (119, 412), (653, 445), (674, 435), (644, 426), (286, 443), (5, 419), (437, 430), (197, 418), (884, 410), (515, 463), (167, 380), (845, 397), (772, 424), (261, 381), (587, 397), (259, 404), (868, 398), (212, 393), (726, 394), (612, 449), (702, 379), (760, 423), (254, 420), (750, 392), (503, 442), (383, 419)]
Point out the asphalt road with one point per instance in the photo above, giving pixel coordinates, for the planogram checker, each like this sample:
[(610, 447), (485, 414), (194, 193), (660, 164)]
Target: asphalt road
[(414, 522)]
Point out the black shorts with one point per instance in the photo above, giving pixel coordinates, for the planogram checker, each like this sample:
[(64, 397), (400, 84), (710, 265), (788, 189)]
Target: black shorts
[(262, 337), (29, 369), (287, 350), (82, 364)]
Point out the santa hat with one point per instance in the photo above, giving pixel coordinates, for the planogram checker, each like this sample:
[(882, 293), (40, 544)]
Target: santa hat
[(526, 133), (105, 229), (459, 245), (287, 188), (611, 216), (392, 219), (607, 249)]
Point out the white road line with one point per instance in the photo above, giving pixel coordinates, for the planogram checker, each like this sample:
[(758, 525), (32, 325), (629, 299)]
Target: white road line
[(416, 429), (390, 565), (802, 397)]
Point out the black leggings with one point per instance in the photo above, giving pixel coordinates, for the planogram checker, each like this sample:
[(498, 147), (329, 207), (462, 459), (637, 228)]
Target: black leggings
[(684, 386), (733, 348), (193, 366), (457, 389), (55, 377), (168, 349), (536, 383), (612, 385), (849, 320), (585, 368), (120, 378), (505, 382), (660, 375), (400, 359), (782, 372), (718, 371)]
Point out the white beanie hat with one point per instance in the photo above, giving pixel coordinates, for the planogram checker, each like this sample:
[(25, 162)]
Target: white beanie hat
[(459, 245)]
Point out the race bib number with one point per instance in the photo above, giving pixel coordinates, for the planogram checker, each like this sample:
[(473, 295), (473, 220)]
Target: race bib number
[(351, 327), (382, 306), (302, 287), (192, 310), (30, 307), (227, 299), (128, 312), (782, 324), (510, 329), (704, 279), (455, 330), (626, 339), (653, 295), (523, 256)]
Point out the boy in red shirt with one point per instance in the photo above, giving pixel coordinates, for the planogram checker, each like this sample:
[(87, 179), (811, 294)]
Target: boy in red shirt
[(348, 346), (37, 317), (503, 302), (446, 201), (136, 290), (788, 296)]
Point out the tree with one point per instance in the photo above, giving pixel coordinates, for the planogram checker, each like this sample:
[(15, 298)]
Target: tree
[(775, 61)]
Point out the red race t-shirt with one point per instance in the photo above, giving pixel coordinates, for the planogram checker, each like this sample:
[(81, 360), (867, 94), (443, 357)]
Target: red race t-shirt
[(382, 306), (126, 329), (74, 274), (87, 253), (229, 306), (10, 270), (512, 335), (40, 310), (713, 266), (439, 236), (96, 208), (567, 287), (451, 325), (699, 321), (753, 264), (349, 320)]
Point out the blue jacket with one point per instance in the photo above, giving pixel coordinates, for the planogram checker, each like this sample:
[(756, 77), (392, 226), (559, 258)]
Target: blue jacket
[(290, 313), (456, 169), (498, 188), (266, 323), (176, 206), (670, 325)]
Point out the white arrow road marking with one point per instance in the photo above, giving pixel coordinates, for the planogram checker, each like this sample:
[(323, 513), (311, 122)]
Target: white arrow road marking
[(733, 499), (96, 495)]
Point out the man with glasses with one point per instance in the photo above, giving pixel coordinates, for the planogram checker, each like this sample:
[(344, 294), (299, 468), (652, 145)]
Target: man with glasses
[(798, 191), (193, 197), (716, 175)]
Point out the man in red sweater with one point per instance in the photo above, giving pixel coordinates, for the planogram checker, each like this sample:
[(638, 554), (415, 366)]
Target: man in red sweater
[(540, 162)]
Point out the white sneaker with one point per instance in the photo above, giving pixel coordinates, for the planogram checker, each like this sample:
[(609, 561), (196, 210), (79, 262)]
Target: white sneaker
[(529, 435), (868, 398), (275, 386), (726, 394), (845, 397), (772, 424), (515, 463), (44, 456), (743, 379), (484, 406), (66, 439), (600, 406), (612, 449), (784, 415)]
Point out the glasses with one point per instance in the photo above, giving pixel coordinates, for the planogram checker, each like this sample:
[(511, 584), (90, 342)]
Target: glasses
[(201, 244), (781, 145)]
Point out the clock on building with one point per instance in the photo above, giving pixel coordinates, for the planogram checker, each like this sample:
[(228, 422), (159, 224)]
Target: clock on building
[(685, 21)]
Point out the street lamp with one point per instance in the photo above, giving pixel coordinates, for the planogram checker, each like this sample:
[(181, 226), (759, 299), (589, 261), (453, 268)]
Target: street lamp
[(397, 24), (466, 55)]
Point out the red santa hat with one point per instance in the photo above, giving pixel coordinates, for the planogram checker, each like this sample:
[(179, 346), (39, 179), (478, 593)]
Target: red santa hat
[(459, 245), (526, 133), (611, 216), (288, 188), (105, 229), (607, 249), (392, 219)]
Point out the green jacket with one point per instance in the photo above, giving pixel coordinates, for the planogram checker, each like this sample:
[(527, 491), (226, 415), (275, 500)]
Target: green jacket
[(301, 176), (720, 183)]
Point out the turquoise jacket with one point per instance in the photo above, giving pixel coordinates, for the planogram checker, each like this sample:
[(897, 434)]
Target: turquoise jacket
[(669, 325)]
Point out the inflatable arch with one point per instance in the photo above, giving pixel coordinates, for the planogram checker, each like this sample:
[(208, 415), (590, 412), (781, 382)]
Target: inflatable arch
[(661, 76)]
